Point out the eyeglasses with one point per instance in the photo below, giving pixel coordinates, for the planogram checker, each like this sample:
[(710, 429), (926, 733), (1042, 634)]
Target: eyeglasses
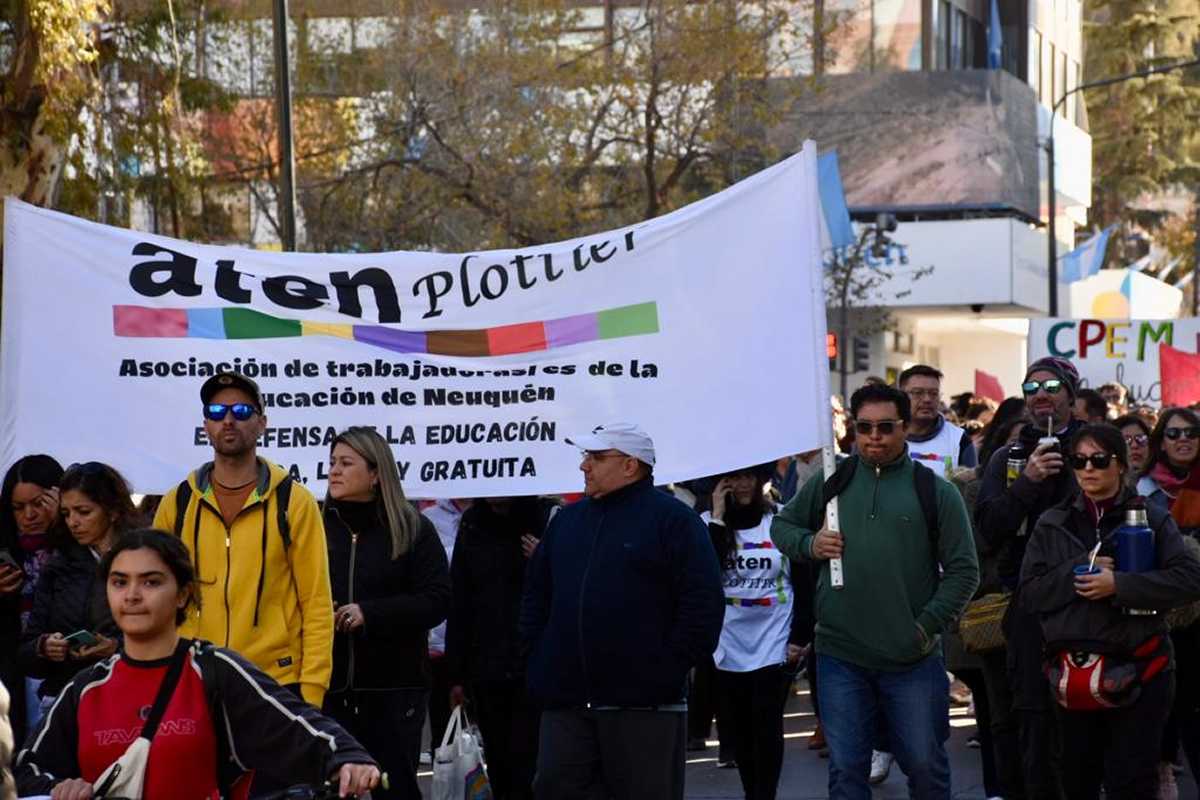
[(217, 411), (932, 394), (1139, 439), (1051, 385), (1187, 433), (592, 455), (886, 427), (1098, 460)]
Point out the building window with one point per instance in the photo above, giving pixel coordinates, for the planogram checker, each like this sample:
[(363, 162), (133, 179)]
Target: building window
[(1035, 67), (941, 44), (1062, 83), (1048, 68), (958, 24), (896, 26)]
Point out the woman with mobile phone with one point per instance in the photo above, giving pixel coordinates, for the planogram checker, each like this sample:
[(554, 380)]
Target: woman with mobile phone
[(70, 626), (28, 522), (391, 585), (763, 638)]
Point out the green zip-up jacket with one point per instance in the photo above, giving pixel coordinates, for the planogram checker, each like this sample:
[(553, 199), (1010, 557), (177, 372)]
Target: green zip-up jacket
[(893, 607)]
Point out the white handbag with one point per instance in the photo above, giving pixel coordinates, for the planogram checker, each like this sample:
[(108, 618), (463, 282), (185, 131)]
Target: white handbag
[(458, 770)]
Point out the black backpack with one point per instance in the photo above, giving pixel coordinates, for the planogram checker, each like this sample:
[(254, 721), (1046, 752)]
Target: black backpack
[(924, 482), (283, 496)]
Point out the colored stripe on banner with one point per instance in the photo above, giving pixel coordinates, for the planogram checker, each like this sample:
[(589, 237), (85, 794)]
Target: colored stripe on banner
[(526, 337), (767, 545)]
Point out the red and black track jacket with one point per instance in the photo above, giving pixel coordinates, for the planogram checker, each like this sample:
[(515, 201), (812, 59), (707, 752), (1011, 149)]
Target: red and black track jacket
[(259, 727)]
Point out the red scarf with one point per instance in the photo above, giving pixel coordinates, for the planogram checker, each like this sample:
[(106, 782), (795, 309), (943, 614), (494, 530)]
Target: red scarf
[(1183, 494)]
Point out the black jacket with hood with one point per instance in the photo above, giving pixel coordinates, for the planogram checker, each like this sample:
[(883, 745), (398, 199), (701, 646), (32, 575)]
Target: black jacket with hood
[(483, 642), (401, 598), (69, 597), (1063, 540)]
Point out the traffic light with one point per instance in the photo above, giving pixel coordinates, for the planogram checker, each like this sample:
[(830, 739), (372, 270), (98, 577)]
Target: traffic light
[(831, 349), (862, 354)]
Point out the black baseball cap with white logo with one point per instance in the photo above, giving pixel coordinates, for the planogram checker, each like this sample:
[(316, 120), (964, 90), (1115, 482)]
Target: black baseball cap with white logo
[(231, 380)]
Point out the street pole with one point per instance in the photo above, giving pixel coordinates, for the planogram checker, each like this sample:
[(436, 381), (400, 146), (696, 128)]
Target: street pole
[(283, 117), (1052, 205), (1196, 259)]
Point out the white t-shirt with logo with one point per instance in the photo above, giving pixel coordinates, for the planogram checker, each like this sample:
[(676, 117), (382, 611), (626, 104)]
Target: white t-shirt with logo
[(756, 579), (940, 453)]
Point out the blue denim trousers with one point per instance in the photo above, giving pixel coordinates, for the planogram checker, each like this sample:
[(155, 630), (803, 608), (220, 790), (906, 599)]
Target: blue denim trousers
[(915, 707)]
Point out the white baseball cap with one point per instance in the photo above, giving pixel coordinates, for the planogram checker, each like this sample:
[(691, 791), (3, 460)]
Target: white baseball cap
[(623, 436)]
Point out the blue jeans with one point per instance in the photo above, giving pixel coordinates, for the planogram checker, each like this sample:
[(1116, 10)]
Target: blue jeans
[(915, 706)]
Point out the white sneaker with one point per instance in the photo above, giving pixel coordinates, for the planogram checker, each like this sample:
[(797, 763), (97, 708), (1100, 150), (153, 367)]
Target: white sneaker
[(881, 765)]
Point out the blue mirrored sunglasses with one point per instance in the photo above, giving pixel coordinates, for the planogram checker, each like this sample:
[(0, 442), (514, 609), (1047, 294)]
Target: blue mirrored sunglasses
[(217, 411)]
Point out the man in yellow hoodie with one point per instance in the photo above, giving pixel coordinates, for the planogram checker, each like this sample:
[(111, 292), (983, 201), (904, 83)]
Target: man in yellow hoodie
[(258, 545)]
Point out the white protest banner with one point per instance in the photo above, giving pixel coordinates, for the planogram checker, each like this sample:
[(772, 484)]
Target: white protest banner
[(1121, 351), (705, 326)]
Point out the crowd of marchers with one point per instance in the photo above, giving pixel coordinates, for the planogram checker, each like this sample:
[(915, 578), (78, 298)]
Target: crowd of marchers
[(1035, 558)]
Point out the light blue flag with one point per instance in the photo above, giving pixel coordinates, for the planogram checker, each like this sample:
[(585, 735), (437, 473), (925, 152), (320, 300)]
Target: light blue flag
[(1085, 261), (995, 39), (837, 231)]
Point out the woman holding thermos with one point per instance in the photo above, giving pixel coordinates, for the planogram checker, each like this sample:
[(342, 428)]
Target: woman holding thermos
[(391, 584), (1099, 571)]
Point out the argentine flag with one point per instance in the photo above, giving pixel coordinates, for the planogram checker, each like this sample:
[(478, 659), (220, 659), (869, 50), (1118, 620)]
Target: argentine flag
[(1085, 260)]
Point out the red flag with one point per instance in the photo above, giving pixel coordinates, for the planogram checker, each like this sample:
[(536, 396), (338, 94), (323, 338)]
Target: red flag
[(1179, 373), (987, 385)]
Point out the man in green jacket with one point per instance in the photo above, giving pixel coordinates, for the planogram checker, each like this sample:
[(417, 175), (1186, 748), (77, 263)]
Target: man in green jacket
[(878, 637)]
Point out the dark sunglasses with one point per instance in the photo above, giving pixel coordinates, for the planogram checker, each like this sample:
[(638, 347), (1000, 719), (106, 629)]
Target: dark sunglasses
[(1140, 439), (217, 411), (1187, 433), (1051, 385), (885, 427), (1098, 460)]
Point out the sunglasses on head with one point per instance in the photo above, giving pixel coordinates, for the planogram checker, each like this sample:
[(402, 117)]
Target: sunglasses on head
[(866, 427), (1098, 460), (1188, 433), (217, 411), (1051, 385)]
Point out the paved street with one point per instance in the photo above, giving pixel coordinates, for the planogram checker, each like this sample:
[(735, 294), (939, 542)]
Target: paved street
[(804, 772)]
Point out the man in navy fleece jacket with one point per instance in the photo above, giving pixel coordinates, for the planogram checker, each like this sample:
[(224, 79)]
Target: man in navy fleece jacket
[(622, 597)]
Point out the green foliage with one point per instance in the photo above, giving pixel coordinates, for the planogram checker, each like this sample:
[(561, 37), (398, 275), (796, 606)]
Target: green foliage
[(1143, 131)]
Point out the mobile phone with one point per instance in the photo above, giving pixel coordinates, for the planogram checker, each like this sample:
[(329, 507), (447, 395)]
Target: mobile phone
[(7, 560), (82, 639)]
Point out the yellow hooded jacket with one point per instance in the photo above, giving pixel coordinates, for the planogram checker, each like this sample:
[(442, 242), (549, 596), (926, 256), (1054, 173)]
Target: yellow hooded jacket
[(270, 603)]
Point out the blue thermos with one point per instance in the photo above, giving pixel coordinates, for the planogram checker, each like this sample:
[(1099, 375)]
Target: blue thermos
[(1135, 545)]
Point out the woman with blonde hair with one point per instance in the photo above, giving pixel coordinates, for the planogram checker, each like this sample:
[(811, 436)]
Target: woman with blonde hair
[(391, 584)]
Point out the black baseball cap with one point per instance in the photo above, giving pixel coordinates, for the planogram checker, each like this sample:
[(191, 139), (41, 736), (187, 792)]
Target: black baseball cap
[(231, 380)]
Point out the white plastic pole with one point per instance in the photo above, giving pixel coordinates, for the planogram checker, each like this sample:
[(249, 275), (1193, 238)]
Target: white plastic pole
[(829, 461)]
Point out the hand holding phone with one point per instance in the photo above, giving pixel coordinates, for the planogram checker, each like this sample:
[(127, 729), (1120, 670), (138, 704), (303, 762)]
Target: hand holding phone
[(11, 575), (7, 560), (81, 639)]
